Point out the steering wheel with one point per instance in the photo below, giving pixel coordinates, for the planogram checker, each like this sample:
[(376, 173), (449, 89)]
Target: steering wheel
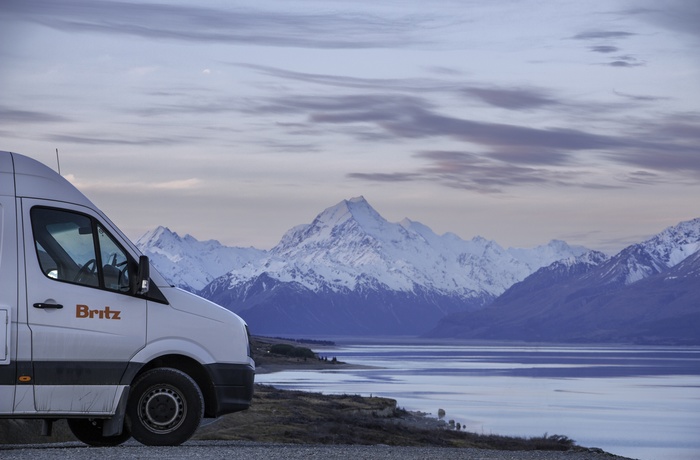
[(89, 268)]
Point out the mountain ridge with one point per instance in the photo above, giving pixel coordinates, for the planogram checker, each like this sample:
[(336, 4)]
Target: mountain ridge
[(351, 272), (191, 264), (350, 259), (647, 293)]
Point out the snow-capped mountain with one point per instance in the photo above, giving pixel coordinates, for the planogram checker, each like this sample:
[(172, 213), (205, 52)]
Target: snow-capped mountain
[(350, 243), (191, 264), (648, 293), (352, 272), (655, 255)]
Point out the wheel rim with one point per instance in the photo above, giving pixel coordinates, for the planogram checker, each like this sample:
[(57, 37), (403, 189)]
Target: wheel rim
[(162, 409)]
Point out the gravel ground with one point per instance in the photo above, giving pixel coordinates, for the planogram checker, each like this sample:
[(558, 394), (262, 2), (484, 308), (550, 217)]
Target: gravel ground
[(267, 451)]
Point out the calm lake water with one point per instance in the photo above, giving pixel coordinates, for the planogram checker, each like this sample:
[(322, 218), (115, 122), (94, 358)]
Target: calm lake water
[(640, 402)]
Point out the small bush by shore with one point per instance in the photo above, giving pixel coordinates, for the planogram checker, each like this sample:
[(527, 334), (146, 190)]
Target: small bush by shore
[(286, 349)]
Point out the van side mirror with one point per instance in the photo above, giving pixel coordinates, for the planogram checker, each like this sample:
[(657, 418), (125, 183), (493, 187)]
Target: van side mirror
[(143, 277)]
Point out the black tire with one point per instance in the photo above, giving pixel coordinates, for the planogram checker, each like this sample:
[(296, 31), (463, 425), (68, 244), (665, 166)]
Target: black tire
[(89, 431), (165, 407)]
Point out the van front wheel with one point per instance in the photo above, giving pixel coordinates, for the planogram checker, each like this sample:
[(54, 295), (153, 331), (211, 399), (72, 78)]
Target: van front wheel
[(165, 407), (89, 431)]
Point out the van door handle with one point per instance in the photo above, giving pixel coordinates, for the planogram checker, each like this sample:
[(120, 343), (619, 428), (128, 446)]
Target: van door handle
[(48, 305)]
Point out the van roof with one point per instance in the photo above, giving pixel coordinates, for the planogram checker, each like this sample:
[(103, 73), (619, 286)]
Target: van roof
[(25, 177)]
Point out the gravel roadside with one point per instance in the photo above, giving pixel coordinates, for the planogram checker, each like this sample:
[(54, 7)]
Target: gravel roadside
[(272, 451)]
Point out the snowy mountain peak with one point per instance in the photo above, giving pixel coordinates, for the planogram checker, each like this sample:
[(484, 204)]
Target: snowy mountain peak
[(543, 255), (558, 245), (652, 256), (587, 259), (674, 243), (357, 209), (163, 237), (349, 217), (360, 200), (157, 234), (189, 263), (350, 245)]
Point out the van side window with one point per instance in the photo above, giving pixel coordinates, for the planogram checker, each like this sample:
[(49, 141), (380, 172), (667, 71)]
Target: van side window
[(74, 248)]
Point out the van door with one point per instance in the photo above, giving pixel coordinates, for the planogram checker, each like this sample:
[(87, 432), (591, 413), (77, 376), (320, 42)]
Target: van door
[(85, 323)]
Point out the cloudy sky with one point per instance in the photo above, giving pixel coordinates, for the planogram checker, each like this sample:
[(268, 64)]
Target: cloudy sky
[(520, 121)]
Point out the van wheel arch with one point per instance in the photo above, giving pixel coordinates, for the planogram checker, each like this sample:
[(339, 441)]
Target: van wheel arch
[(193, 369)]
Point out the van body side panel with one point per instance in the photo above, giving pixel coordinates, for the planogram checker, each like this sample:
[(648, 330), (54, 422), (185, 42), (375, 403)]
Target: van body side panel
[(96, 400), (24, 392), (7, 176), (172, 344), (8, 294), (81, 349), (4, 335)]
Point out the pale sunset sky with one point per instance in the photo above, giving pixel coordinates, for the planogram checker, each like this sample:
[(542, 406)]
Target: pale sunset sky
[(518, 121)]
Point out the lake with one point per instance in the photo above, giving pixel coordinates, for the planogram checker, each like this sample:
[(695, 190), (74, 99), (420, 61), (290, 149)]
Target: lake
[(639, 402)]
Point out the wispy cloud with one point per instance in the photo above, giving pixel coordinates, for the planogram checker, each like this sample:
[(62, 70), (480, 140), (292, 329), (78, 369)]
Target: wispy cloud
[(109, 139), (411, 117), (640, 98), (604, 49), (475, 172), (12, 115), (532, 156), (513, 98), (626, 61), (676, 15), (133, 186), (386, 177), (642, 178), (671, 145), (501, 155), (479, 173), (183, 184), (341, 81), (233, 24), (603, 34)]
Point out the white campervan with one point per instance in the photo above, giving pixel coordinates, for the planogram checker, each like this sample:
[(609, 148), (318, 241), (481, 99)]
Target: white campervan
[(88, 333)]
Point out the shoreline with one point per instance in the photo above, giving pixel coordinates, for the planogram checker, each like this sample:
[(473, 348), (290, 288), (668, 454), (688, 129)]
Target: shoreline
[(279, 367), (301, 417), (417, 420)]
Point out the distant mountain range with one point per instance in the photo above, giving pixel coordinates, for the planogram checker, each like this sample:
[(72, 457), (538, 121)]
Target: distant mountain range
[(649, 293), (349, 272), (352, 273)]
